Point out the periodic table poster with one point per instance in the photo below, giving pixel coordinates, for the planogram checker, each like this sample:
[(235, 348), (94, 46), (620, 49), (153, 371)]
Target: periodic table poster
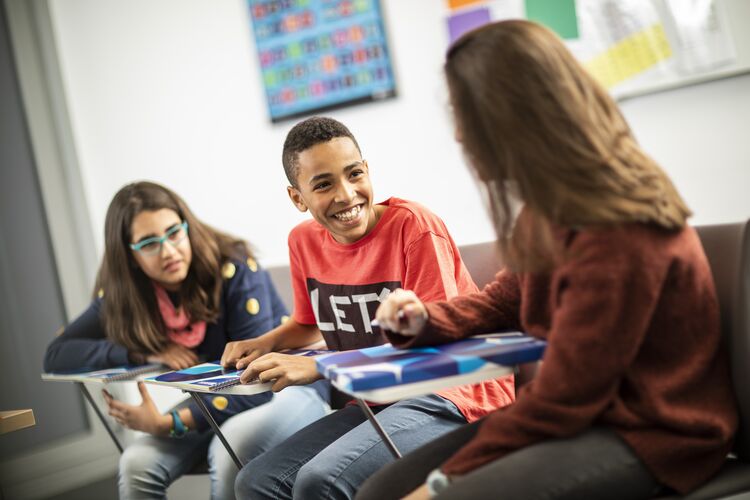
[(317, 55)]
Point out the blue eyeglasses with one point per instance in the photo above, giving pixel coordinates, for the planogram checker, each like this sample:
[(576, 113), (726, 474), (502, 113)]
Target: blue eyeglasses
[(152, 246)]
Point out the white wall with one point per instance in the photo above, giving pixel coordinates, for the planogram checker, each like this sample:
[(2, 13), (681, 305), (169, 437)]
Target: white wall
[(169, 90), (701, 136)]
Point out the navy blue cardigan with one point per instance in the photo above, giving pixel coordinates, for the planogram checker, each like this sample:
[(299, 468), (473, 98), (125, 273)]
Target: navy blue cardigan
[(250, 306)]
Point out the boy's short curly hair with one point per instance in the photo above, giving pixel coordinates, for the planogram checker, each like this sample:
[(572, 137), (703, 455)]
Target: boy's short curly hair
[(306, 134)]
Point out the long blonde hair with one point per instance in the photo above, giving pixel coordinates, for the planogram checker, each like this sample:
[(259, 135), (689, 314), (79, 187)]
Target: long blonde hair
[(532, 118), (129, 309)]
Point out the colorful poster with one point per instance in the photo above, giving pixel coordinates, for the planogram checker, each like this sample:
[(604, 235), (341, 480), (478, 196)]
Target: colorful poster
[(557, 15), (460, 23), (629, 46), (320, 54)]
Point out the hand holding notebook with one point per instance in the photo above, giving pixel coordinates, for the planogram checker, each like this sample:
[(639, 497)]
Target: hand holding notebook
[(282, 370), (213, 377)]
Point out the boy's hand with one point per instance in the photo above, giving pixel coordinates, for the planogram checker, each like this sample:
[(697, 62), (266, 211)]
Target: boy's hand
[(285, 369), (241, 353), (402, 312), (144, 417), (175, 356)]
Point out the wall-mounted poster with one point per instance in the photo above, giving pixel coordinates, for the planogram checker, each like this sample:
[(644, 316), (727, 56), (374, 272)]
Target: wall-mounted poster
[(316, 55), (632, 47)]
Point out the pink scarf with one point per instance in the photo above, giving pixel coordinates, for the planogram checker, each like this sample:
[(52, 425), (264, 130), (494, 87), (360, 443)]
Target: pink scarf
[(179, 328)]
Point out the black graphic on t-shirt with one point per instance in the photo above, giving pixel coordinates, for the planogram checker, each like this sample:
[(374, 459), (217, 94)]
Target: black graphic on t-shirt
[(344, 312)]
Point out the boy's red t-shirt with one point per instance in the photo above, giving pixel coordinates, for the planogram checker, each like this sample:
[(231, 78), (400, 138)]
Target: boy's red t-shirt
[(339, 287)]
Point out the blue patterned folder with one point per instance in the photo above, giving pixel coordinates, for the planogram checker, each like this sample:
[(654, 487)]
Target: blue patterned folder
[(385, 366)]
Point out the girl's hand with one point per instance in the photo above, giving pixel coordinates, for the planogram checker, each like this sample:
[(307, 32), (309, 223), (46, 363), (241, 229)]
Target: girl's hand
[(144, 417), (402, 312), (285, 369), (241, 353), (174, 356), (420, 493)]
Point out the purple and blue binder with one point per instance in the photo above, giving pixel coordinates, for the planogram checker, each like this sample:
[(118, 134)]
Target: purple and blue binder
[(386, 366)]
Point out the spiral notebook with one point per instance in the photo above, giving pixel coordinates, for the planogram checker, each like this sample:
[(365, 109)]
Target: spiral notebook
[(117, 374), (212, 377), (205, 377)]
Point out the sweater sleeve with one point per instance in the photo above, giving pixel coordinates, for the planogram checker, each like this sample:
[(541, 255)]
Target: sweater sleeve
[(494, 308), (604, 300), (84, 345)]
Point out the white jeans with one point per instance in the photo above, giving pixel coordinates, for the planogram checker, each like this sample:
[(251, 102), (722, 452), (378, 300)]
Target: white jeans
[(151, 464)]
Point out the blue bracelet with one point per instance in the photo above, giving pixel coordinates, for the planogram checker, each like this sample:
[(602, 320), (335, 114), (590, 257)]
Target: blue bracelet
[(178, 429)]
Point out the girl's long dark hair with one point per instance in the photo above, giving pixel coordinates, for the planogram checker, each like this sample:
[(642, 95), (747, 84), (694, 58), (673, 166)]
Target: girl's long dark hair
[(129, 309)]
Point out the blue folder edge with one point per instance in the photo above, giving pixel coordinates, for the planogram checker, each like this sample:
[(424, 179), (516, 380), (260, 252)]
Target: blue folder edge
[(385, 366)]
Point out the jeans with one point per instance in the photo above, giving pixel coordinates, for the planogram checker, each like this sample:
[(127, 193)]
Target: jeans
[(332, 457), (594, 464), (151, 464)]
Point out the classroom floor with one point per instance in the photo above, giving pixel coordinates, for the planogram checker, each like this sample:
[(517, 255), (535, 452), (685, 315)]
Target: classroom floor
[(187, 488)]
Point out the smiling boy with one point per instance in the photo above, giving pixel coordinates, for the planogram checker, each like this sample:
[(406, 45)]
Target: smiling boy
[(343, 263)]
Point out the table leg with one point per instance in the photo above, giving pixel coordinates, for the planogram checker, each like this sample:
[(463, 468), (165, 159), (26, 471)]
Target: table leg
[(87, 394), (383, 435), (215, 427)]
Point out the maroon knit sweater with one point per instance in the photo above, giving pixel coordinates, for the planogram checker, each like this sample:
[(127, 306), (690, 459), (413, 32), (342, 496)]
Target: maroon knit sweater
[(632, 324)]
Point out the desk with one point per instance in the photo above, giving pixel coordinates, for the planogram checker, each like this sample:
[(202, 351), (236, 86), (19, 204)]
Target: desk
[(105, 376), (416, 389), (210, 419), (406, 391), (14, 420), (384, 374), (473, 360), (189, 382), (80, 378), (211, 378), (99, 414)]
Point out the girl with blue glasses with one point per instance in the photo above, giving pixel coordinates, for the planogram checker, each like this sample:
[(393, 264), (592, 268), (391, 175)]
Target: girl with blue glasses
[(175, 291), (151, 246)]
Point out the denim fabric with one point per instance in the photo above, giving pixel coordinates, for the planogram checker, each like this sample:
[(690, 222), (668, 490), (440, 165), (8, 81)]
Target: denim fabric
[(151, 464), (332, 457)]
